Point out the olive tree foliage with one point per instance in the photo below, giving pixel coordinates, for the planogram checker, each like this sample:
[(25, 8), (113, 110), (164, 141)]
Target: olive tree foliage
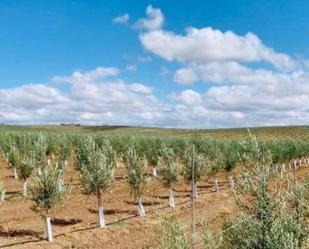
[(169, 171), (172, 235), (95, 163), (95, 172), (210, 240), (44, 189), (135, 176), (110, 155), (13, 156), (192, 159), (26, 168), (63, 149), (40, 150), (26, 165), (230, 156), (273, 217), (169, 168), (251, 153), (84, 146), (152, 151)]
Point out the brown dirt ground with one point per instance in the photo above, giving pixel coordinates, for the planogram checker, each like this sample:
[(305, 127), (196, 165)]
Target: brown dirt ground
[(125, 230)]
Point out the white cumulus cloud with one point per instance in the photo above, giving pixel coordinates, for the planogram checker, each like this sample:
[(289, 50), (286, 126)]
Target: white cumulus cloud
[(88, 76), (212, 45), (153, 21), (122, 19)]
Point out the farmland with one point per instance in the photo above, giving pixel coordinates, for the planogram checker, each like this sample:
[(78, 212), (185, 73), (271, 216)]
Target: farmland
[(133, 180)]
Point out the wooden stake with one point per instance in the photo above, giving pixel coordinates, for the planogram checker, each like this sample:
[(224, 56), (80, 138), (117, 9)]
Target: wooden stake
[(192, 202)]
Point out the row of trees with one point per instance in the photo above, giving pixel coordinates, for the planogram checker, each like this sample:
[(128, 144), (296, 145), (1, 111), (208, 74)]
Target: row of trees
[(97, 158), (271, 216), (61, 144)]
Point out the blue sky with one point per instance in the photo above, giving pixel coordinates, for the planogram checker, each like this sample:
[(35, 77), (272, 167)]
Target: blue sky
[(243, 80)]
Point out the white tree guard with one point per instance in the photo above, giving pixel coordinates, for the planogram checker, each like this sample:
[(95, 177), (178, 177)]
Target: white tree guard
[(60, 184), (25, 188), (171, 198), (154, 172), (15, 173), (216, 185), (113, 175), (2, 196), (195, 191), (101, 217), (283, 168), (49, 230), (140, 208)]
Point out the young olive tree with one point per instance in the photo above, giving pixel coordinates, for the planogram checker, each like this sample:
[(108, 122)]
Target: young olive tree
[(169, 171), (84, 146), (216, 163), (152, 147), (40, 150), (25, 169), (136, 177), (95, 174), (194, 166), (230, 159), (45, 193), (14, 159), (110, 155), (64, 150)]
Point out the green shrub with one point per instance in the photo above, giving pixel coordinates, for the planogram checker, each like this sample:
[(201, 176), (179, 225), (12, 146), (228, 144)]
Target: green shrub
[(173, 235)]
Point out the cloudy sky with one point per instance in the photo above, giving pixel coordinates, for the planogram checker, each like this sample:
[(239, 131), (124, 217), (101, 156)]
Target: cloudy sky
[(192, 64)]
